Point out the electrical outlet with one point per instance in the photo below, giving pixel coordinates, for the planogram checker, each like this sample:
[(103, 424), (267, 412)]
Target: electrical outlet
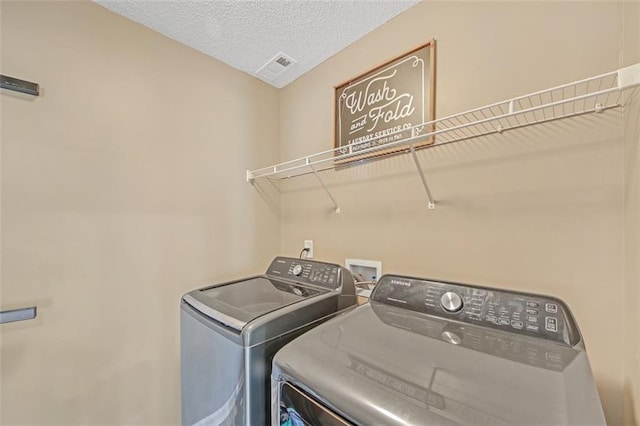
[(308, 244)]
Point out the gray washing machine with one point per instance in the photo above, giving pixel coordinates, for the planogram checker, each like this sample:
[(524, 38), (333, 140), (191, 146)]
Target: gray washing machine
[(425, 352), (230, 332)]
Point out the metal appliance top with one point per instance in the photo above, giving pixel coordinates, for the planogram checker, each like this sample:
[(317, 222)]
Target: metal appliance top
[(286, 282), (429, 352)]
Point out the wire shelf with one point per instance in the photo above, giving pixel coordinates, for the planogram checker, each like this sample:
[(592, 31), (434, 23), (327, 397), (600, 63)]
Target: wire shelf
[(591, 95)]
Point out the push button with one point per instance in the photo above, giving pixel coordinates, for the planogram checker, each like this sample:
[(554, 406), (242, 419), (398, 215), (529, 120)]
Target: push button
[(517, 324), (553, 357), (552, 308), (551, 324)]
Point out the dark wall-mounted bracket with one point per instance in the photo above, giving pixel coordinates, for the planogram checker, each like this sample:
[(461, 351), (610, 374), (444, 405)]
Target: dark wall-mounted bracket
[(18, 85), (18, 314)]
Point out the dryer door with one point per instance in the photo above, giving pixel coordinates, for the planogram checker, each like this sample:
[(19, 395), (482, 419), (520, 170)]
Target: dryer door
[(298, 409)]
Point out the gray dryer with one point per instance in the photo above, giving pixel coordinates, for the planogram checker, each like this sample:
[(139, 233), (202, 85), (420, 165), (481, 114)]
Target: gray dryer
[(426, 352)]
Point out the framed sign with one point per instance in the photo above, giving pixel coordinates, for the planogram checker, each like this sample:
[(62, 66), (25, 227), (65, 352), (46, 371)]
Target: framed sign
[(383, 105)]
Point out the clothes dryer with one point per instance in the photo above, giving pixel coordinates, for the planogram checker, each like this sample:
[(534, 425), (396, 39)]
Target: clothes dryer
[(426, 352)]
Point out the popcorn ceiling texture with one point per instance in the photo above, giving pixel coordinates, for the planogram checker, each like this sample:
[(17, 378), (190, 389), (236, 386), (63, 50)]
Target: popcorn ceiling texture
[(247, 34)]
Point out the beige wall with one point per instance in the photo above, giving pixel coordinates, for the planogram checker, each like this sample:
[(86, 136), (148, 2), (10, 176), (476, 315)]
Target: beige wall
[(631, 55), (538, 209), (122, 188), (632, 261)]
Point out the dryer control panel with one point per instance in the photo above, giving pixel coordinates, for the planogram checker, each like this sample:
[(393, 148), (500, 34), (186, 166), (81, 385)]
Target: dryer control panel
[(528, 314), (326, 275)]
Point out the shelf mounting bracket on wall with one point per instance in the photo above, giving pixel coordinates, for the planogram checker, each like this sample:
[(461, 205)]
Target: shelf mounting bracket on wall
[(18, 85), (333, 200), (432, 204), (22, 314)]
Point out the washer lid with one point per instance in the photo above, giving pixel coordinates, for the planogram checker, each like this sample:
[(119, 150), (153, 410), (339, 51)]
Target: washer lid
[(237, 303)]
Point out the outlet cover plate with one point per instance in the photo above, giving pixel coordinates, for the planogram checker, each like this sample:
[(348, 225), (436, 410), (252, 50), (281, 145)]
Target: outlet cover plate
[(308, 244)]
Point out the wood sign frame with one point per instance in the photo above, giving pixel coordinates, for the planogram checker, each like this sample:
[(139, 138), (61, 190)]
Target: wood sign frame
[(383, 105)]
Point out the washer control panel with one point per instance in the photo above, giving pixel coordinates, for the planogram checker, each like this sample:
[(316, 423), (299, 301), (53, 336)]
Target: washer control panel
[(321, 274), (528, 314)]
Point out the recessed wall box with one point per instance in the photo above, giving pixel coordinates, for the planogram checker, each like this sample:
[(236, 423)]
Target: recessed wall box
[(364, 270)]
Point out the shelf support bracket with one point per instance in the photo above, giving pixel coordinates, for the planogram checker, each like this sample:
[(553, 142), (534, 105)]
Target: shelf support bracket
[(325, 188), (432, 204)]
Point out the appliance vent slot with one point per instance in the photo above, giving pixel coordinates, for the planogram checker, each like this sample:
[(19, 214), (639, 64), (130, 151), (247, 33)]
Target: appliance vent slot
[(283, 61)]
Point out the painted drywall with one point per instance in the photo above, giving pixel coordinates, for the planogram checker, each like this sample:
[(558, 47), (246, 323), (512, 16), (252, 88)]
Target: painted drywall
[(632, 261), (122, 188), (538, 209), (630, 56)]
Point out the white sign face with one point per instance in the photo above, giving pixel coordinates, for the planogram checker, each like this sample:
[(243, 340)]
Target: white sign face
[(383, 105)]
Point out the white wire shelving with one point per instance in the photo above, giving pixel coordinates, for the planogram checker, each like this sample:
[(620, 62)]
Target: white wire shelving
[(590, 95)]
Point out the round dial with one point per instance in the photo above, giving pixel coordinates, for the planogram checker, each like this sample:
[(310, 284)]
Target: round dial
[(297, 270), (451, 301)]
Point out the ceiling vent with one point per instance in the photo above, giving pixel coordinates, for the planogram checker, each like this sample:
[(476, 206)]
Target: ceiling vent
[(276, 66)]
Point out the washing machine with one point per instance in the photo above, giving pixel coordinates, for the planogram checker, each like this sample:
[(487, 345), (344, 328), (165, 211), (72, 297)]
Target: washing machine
[(425, 352), (230, 332)]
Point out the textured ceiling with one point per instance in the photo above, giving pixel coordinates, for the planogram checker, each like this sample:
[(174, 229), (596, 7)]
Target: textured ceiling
[(247, 34)]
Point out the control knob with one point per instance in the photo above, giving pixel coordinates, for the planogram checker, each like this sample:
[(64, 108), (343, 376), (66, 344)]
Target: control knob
[(451, 301), (297, 270)]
